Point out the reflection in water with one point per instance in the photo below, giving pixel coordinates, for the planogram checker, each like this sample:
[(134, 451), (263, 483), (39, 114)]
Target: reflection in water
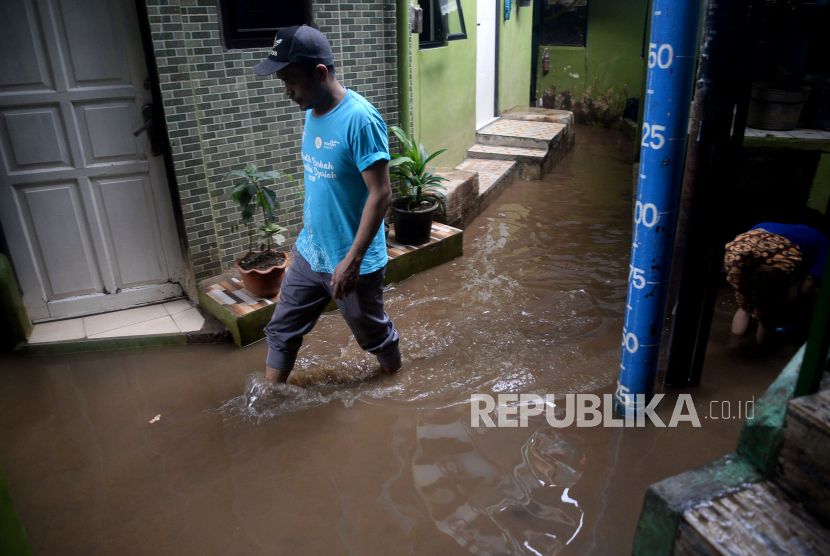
[(489, 510)]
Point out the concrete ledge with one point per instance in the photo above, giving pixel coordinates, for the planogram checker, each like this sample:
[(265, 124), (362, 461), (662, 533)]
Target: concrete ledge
[(104, 344), (461, 192), (667, 501), (804, 459), (760, 438), (14, 320)]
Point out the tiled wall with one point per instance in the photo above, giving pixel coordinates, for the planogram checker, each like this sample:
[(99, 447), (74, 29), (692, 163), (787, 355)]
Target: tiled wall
[(220, 116)]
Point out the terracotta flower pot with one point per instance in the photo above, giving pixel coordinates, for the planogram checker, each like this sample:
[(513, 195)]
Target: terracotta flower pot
[(263, 283), (776, 108), (412, 228)]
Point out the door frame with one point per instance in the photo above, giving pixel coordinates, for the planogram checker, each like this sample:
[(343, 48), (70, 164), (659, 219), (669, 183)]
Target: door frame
[(496, 43), (160, 124)]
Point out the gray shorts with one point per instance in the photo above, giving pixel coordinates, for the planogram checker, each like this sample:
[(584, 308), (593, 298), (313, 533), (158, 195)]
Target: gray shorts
[(304, 295)]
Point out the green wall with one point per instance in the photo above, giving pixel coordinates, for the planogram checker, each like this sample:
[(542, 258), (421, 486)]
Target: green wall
[(444, 93), (515, 50), (444, 83), (596, 85)]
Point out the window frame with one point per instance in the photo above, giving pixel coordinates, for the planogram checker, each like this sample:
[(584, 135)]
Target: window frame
[(258, 39), (562, 43), (445, 36)]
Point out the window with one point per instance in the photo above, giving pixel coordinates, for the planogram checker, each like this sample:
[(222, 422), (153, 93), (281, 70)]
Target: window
[(564, 22), (443, 22), (254, 23)]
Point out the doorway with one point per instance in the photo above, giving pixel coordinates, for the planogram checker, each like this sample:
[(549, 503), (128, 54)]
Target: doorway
[(84, 203)]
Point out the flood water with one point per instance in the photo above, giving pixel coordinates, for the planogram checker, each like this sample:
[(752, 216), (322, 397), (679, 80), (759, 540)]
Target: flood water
[(349, 462)]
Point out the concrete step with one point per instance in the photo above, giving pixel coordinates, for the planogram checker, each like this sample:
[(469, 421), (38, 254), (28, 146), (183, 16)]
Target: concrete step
[(533, 163), (521, 133), (756, 519), (494, 176), (804, 459), (460, 195), (533, 114)]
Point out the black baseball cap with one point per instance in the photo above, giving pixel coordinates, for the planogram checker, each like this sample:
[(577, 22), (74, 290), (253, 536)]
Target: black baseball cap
[(299, 44)]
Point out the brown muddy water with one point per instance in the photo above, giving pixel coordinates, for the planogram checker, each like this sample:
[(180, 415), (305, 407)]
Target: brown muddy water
[(364, 465)]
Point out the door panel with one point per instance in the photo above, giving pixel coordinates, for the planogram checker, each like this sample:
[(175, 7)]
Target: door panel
[(85, 208), (485, 61), (22, 45), (96, 54), (34, 139), (61, 246), (134, 239), (106, 132)]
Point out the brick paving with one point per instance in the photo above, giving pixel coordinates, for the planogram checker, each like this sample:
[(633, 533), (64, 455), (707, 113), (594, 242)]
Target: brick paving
[(523, 129), (510, 151), (489, 171)]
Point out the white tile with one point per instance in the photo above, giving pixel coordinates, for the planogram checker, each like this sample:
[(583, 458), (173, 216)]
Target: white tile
[(769, 133), (221, 297), (110, 321), (806, 134), (749, 132), (245, 297), (163, 325), (58, 331), (189, 321), (177, 306)]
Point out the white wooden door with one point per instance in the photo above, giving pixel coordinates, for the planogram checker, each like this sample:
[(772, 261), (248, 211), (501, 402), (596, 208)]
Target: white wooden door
[(485, 62), (84, 205)]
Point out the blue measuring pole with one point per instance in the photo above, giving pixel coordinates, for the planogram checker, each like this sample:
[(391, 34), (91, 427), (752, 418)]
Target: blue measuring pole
[(671, 63)]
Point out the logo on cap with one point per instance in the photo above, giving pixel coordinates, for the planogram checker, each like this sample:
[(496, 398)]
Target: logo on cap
[(277, 42)]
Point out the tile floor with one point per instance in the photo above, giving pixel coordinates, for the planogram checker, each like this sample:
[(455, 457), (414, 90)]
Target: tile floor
[(512, 151), (173, 317), (520, 128), (792, 134), (489, 171)]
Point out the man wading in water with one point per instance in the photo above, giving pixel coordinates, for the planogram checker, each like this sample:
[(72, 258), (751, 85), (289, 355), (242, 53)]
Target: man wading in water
[(341, 251)]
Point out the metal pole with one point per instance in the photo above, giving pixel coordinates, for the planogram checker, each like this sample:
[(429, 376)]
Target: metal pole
[(671, 62), (699, 243)]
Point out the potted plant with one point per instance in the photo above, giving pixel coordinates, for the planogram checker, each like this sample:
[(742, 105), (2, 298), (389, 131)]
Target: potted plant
[(778, 98), (261, 271), (419, 188)]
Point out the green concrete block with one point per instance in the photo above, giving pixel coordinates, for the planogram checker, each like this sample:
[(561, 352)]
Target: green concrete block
[(14, 320), (760, 438), (667, 501), (13, 541), (104, 344), (246, 329), (820, 191), (822, 145), (425, 257)]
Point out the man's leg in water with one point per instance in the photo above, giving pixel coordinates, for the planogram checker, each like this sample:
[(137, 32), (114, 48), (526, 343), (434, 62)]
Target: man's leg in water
[(374, 331), (303, 297)]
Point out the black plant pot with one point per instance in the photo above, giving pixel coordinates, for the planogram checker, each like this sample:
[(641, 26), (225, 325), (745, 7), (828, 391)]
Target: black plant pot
[(412, 228)]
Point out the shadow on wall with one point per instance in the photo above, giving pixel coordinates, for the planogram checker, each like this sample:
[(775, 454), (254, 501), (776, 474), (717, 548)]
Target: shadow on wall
[(604, 109)]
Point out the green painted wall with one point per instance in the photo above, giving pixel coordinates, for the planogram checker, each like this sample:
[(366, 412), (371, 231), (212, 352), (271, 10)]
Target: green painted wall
[(515, 50), (444, 83), (595, 81), (444, 93)]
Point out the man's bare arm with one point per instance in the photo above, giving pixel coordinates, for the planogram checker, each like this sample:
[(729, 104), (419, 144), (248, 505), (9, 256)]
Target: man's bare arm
[(347, 271)]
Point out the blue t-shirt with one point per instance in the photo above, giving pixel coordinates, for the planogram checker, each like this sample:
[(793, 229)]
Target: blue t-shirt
[(337, 147), (813, 244)]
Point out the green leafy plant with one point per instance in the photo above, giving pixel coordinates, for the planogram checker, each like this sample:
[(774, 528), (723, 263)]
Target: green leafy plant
[(253, 196), (410, 168)]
